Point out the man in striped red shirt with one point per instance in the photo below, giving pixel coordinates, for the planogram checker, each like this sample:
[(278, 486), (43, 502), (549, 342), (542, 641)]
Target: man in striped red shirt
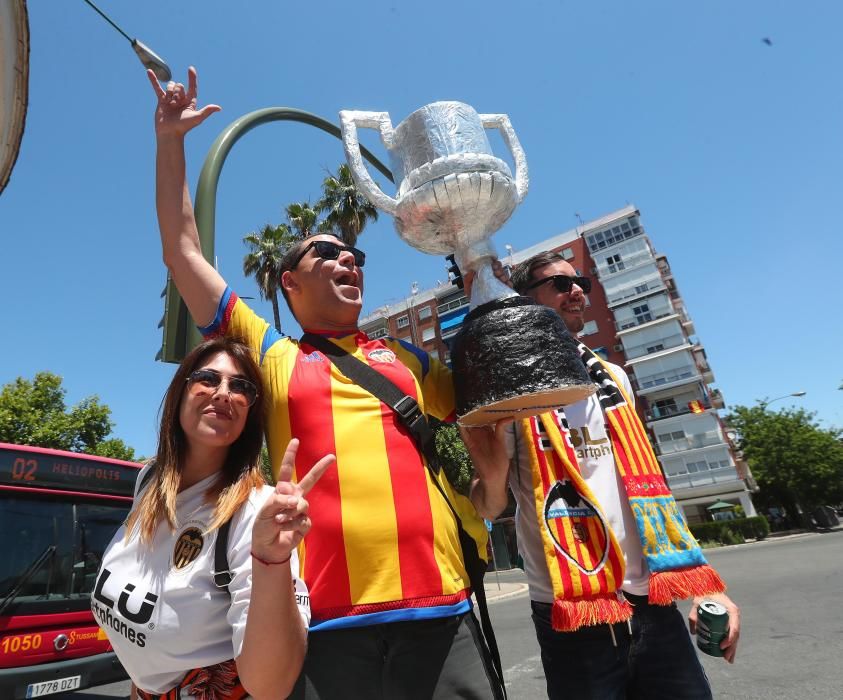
[(390, 595)]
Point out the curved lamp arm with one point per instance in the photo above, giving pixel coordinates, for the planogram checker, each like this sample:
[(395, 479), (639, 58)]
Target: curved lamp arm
[(180, 334)]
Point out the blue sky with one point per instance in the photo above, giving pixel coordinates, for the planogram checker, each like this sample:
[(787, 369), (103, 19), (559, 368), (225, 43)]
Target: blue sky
[(731, 148)]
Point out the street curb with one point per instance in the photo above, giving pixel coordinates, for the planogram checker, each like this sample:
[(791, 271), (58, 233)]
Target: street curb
[(521, 590), (772, 540)]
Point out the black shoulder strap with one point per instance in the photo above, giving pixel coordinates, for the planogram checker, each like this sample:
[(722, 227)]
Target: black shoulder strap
[(413, 419), (222, 575), (405, 407)]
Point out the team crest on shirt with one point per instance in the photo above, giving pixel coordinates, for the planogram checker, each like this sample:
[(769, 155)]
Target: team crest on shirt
[(188, 545), (382, 355), (567, 516)]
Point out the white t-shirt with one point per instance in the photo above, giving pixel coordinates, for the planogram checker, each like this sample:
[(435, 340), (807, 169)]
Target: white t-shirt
[(159, 605), (597, 467)]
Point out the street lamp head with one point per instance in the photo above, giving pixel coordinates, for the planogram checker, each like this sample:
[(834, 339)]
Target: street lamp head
[(799, 393), (152, 60), (147, 56)]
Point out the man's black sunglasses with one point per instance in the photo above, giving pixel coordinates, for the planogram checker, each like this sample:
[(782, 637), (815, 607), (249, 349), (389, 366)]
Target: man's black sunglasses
[(328, 250), (563, 283)]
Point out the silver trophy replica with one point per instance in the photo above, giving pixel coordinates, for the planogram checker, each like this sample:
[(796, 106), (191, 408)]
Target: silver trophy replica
[(512, 357)]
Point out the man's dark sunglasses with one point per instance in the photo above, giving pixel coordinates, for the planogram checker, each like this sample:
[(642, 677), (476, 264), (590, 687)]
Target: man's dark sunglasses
[(328, 250), (240, 389), (563, 283)]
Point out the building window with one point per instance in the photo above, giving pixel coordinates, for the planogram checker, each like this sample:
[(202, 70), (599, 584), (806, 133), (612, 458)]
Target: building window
[(567, 253), (403, 321), (589, 328), (428, 334), (642, 314), (615, 263), (655, 348), (424, 313), (379, 333), (641, 288)]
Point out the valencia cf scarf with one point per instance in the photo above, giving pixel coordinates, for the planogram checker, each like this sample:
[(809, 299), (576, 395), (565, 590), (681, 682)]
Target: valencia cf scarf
[(583, 557)]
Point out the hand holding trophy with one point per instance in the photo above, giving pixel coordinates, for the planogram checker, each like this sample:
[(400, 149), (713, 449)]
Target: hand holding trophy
[(512, 357)]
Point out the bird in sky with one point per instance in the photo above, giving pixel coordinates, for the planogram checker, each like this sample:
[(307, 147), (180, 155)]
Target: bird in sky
[(767, 40)]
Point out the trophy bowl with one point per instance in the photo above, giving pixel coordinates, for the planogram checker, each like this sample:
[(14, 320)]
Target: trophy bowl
[(512, 357)]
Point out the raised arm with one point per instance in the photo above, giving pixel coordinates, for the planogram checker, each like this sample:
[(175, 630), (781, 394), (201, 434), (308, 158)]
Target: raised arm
[(276, 639), (199, 284)]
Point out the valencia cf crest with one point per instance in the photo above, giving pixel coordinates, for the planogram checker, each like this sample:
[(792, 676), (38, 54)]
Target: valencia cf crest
[(572, 522), (188, 545), (382, 355)]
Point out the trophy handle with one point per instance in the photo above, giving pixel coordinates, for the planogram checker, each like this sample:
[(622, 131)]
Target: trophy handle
[(349, 121), (501, 121)]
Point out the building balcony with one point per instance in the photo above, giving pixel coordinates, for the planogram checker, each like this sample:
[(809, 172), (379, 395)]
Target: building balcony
[(709, 477), (691, 442), (639, 291), (448, 306), (665, 380), (647, 320), (717, 400), (657, 413), (649, 348)]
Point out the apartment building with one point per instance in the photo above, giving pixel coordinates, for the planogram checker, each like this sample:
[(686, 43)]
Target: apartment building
[(635, 317)]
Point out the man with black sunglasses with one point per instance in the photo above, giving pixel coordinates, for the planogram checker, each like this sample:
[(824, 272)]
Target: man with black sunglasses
[(389, 592), (601, 632)]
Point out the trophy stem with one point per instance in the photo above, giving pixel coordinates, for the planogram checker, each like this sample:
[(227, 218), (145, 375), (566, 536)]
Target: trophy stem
[(478, 258), (487, 287)]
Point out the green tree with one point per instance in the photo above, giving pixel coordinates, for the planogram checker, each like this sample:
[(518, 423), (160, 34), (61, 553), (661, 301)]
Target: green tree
[(302, 219), (453, 455), (348, 211), (263, 261), (34, 413), (795, 462)]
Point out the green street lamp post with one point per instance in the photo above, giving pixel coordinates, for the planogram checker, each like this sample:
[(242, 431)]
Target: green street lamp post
[(180, 334)]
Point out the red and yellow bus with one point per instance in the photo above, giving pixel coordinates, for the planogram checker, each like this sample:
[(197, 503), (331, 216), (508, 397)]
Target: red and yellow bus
[(58, 512)]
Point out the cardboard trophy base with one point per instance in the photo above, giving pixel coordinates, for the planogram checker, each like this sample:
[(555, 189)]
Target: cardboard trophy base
[(515, 358), (526, 405)]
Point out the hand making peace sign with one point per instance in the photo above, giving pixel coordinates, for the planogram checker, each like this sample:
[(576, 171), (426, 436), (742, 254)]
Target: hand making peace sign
[(283, 520), (176, 113)]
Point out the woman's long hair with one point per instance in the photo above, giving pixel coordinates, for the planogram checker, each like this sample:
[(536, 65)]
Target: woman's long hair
[(241, 470)]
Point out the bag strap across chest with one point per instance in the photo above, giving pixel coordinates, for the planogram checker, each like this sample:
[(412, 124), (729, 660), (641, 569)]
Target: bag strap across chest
[(221, 573)]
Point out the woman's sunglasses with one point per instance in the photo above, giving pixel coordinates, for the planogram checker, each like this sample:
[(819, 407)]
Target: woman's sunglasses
[(328, 250), (240, 390), (563, 283)]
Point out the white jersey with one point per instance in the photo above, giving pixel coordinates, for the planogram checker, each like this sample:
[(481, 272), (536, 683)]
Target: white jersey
[(597, 466), (158, 604)]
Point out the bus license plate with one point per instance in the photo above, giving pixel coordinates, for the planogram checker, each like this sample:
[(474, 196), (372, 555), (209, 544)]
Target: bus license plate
[(36, 690)]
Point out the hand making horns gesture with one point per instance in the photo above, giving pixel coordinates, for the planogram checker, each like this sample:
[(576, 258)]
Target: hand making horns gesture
[(176, 113), (283, 520)]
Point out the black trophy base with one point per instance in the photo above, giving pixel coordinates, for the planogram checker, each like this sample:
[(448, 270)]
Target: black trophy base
[(514, 358)]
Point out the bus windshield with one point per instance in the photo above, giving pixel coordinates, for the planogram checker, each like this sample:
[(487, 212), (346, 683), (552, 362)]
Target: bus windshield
[(68, 537)]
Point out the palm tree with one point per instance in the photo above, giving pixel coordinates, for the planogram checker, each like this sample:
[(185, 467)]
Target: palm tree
[(348, 210), (302, 218), (263, 261)]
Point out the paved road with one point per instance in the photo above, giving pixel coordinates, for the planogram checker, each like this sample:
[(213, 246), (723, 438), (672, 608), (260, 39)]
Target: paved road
[(792, 640)]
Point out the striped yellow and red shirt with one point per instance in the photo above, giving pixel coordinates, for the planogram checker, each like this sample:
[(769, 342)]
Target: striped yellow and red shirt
[(383, 546)]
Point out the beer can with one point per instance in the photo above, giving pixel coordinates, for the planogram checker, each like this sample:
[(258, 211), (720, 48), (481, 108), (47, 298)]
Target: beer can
[(712, 625)]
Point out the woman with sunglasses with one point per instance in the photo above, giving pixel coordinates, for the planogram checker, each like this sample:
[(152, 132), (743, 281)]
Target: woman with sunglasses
[(171, 621)]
